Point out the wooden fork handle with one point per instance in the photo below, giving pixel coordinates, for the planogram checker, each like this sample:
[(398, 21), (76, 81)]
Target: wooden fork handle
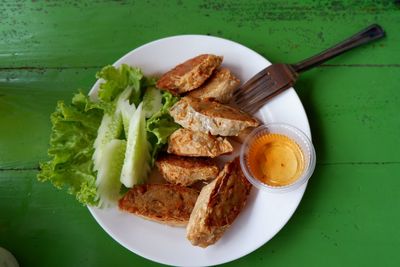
[(373, 32)]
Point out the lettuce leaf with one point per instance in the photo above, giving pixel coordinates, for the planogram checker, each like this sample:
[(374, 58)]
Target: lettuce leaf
[(71, 148), (152, 101), (118, 79), (125, 108), (161, 125), (76, 127)]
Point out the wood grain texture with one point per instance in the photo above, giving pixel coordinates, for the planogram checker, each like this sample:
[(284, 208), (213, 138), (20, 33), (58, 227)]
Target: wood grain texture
[(349, 214), (349, 109), (353, 113), (341, 216), (346, 218), (43, 226), (56, 33), (27, 98)]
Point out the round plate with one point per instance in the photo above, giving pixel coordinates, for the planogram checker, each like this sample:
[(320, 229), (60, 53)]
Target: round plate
[(265, 213)]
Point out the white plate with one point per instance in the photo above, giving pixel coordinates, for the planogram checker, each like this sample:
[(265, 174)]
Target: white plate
[(265, 214)]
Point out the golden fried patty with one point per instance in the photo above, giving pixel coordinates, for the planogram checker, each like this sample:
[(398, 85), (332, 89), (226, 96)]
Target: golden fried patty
[(220, 86), (211, 117), (184, 142), (186, 170), (218, 205), (163, 203), (190, 74)]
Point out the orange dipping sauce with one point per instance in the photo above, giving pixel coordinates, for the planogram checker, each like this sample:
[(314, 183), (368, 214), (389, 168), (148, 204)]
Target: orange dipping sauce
[(275, 160)]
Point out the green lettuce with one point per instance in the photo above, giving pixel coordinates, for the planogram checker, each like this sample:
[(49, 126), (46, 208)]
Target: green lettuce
[(152, 101), (71, 148), (161, 125), (118, 79), (76, 126)]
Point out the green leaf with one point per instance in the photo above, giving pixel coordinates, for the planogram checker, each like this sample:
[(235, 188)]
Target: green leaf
[(118, 79), (161, 125), (71, 147), (152, 101), (89, 173), (125, 108)]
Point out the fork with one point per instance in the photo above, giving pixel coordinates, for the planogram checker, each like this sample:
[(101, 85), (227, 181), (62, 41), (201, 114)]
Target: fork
[(275, 78)]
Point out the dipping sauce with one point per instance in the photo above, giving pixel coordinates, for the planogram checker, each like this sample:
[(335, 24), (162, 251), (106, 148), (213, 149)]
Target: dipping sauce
[(275, 159)]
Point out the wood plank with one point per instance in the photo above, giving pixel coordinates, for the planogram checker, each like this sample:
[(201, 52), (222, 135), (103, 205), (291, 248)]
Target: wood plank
[(76, 33), (43, 226), (348, 217), (340, 217), (353, 112), (349, 213), (27, 98)]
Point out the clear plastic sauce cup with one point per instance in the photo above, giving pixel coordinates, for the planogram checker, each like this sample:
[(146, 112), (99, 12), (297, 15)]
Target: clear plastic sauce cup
[(277, 157)]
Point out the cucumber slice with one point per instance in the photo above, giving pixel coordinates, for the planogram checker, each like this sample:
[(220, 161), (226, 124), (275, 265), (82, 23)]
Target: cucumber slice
[(137, 156), (127, 110), (107, 181), (151, 101), (110, 128), (112, 125)]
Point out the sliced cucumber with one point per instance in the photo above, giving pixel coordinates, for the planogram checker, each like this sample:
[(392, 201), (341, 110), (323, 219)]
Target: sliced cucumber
[(137, 156), (127, 110), (107, 181), (110, 128), (151, 101), (112, 125)]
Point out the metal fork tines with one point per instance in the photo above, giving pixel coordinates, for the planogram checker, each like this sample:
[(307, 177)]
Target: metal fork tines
[(267, 83)]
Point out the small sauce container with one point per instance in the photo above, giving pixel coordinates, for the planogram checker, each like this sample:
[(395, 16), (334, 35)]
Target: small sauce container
[(277, 157)]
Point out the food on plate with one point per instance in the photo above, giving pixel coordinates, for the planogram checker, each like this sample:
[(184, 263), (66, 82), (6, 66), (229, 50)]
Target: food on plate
[(218, 205), (275, 159), (242, 135), (164, 203), (104, 146), (211, 117), (115, 133), (220, 86), (190, 74), (186, 170), (184, 142)]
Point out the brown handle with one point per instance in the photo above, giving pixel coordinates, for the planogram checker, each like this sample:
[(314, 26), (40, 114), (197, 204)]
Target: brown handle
[(367, 35)]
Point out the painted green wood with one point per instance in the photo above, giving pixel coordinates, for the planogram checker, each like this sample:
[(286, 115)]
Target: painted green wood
[(340, 219), (42, 226), (348, 109), (353, 113), (349, 215), (27, 98), (56, 33)]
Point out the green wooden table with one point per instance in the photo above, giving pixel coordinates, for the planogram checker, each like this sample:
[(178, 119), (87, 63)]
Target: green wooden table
[(349, 215)]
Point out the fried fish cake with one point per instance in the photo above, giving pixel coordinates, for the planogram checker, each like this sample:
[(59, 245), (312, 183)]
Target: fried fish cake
[(218, 205), (211, 117), (190, 74), (184, 142), (185, 170), (164, 203), (220, 86)]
